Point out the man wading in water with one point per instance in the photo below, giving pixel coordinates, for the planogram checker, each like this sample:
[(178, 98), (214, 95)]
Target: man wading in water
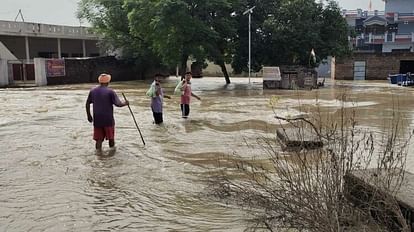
[(103, 99)]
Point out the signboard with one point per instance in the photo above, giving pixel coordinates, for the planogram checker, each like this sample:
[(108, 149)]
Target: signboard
[(271, 74), (55, 67)]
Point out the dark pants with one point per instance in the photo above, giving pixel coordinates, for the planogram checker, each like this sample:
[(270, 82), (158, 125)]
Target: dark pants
[(185, 109), (157, 117)]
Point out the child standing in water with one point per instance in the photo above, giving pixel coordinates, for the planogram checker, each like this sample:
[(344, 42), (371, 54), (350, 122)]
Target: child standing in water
[(157, 100), (186, 95)]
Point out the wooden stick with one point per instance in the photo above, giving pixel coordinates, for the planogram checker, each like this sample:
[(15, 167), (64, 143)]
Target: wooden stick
[(133, 117)]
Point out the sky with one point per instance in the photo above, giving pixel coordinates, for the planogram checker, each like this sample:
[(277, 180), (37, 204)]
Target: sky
[(63, 12)]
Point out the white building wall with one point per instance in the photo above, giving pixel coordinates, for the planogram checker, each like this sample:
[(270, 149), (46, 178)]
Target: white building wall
[(400, 6), (40, 71), (324, 69), (389, 47), (4, 78)]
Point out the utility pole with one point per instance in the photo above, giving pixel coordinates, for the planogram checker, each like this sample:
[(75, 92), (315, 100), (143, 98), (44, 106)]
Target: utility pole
[(250, 11)]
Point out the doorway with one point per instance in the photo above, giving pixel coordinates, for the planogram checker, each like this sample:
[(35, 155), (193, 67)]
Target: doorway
[(406, 66), (359, 70), (21, 72)]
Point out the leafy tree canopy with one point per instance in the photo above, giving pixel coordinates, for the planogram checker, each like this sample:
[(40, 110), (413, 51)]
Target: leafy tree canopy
[(169, 32)]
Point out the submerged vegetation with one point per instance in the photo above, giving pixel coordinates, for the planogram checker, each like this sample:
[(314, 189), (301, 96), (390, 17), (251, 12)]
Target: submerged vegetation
[(308, 188)]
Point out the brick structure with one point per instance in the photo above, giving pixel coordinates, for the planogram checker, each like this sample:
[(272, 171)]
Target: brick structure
[(378, 65), (293, 77)]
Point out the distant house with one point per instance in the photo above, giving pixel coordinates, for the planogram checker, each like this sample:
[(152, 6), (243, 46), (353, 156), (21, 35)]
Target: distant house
[(21, 42), (382, 41), (383, 31)]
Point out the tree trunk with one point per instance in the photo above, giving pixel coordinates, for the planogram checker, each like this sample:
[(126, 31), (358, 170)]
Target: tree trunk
[(225, 73), (183, 68)]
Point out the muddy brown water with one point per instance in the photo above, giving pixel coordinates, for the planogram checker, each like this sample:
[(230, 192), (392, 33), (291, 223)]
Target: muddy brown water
[(51, 179)]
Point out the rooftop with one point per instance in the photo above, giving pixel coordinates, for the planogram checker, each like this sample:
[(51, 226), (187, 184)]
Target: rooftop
[(45, 30)]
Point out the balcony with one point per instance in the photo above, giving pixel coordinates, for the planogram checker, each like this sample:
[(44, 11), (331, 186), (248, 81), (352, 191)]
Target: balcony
[(400, 17), (404, 38), (361, 14), (389, 38), (45, 30)]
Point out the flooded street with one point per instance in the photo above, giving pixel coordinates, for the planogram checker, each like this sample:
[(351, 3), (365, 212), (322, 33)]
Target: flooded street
[(51, 179)]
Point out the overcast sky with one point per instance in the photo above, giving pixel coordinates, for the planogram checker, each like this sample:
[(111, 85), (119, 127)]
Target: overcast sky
[(63, 12)]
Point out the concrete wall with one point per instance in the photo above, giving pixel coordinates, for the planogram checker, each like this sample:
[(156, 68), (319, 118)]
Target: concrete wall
[(40, 71), (388, 47), (378, 65), (333, 68), (400, 6), (4, 78), (325, 68), (88, 70)]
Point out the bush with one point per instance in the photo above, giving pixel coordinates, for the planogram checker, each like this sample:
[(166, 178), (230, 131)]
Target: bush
[(305, 188)]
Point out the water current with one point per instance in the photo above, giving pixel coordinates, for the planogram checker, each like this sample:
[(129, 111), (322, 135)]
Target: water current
[(51, 179)]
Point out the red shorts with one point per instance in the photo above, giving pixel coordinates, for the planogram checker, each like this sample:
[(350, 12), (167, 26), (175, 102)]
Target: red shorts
[(101, 133)]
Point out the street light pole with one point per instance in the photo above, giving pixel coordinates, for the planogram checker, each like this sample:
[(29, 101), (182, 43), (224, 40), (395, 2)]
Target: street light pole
[(250, 45), (250, 11)]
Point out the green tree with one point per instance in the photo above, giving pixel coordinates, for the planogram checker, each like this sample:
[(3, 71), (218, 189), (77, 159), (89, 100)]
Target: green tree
[(285, 31), (109, 20), (182, 29), (173, 31), (170, 32), (334, 32)]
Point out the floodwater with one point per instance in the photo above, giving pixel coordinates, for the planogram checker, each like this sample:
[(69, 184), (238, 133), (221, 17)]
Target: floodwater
[(51, 179)]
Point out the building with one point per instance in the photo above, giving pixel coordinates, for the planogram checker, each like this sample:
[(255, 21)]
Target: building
[(383, 42), (29, 40), (383, 31), (373, 66), (21, 42)]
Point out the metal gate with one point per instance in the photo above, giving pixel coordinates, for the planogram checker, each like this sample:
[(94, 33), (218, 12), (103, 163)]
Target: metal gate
[(359, 70), (20, 71)]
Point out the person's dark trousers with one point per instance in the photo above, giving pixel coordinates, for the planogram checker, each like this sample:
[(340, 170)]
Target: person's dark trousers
[(185, 109), (157, 117)]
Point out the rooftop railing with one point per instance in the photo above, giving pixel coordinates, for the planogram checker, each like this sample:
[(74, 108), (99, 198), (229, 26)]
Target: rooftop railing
[(360, 13), (45, 30), (406, 14)]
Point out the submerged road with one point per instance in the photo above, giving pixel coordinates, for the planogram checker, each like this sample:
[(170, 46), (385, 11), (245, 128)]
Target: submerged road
[(51, 179)]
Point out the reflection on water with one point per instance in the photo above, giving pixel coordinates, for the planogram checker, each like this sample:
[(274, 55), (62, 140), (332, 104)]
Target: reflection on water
[(52, 180)]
